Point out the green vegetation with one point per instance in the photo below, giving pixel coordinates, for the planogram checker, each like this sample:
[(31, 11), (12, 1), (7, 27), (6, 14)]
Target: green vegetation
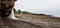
[(15, 10), (21, 12), (25, 12)]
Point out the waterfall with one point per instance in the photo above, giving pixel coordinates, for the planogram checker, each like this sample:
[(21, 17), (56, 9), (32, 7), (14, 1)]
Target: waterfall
[(12, 16)]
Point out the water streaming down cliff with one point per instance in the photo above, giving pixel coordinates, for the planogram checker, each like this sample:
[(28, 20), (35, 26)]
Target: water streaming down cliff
[(12, 16)]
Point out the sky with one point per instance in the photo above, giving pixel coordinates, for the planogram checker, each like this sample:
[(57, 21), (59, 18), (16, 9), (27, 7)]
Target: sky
[(50, 7)]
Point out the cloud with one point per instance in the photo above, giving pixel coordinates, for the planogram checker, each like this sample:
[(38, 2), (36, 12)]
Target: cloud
[(39, 6)]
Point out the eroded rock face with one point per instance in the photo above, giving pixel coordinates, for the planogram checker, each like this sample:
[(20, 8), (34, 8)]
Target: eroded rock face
[(1, 21), (6, 7), (10, 23)]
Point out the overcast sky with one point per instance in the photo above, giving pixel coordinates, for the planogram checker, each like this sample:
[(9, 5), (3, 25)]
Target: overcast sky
[(51, 7)]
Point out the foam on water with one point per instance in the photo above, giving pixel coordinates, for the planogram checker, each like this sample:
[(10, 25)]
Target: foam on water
[(12, 16)]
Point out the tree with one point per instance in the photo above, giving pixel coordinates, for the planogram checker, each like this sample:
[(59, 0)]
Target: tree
[(25, 12), (19, 12), (14, 10)]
